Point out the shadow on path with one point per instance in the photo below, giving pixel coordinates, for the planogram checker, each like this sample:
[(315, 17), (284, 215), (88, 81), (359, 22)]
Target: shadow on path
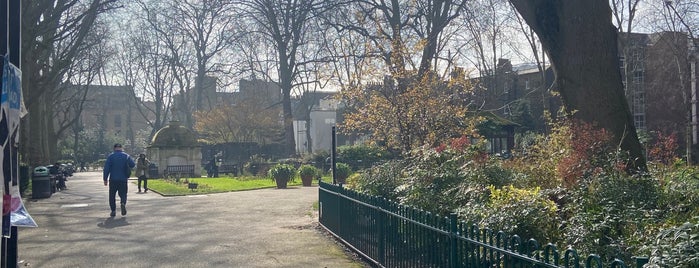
[(111, 222)]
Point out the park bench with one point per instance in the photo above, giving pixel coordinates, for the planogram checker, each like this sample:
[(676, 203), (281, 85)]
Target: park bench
[(228, 169), (179, 170)]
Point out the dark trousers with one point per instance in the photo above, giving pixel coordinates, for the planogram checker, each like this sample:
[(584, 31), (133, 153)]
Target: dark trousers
[(115, 187), (143, 179)]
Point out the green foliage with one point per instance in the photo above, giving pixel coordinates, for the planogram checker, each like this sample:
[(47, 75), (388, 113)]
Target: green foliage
[(611, 214), (680, 194), (525, 212), (342, 171), (677, 247), (522, 115), (362, 156), (318, 159), (91, 145), (381, 180), (308, 171), (569, 188), (285, 172), (449, 177)]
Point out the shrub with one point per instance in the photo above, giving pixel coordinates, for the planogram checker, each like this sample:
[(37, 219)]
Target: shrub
[(380, 180), (525, 212), (362, 156), (677, 247), (680, 197), (282, 172), (664, 149), (342, 172), (611, 214), (448, 177), (318, 159), (308, 171)]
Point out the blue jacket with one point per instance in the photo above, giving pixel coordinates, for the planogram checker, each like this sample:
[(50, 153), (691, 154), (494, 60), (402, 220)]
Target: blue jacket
[(116, 166)]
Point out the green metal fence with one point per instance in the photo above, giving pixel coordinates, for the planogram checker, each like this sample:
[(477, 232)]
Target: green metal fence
[(391, 235)]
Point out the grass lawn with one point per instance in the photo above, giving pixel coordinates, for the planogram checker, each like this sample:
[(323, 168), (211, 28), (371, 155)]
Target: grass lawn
[(214, 185)]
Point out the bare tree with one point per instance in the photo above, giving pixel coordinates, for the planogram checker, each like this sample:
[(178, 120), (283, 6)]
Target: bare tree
[(54, 32), (485, 24), (154, 62), (209, 28), (286, 25), (538, 56), (71, 96)]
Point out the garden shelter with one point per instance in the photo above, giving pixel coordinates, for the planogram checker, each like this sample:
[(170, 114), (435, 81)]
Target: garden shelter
[(175, 151)]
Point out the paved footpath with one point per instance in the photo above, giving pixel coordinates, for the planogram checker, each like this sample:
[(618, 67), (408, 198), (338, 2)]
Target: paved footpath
[(261, 228)]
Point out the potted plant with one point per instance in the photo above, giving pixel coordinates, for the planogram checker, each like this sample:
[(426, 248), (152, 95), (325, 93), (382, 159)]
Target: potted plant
[(342, 172), (307, 173), (282, 174), (191, 185)]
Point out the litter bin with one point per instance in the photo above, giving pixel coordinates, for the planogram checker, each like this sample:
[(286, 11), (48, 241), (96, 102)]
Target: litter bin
[(41, 183)]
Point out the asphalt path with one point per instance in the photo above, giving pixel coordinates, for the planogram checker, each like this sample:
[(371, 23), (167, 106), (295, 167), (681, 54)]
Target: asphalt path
[(260, 228)]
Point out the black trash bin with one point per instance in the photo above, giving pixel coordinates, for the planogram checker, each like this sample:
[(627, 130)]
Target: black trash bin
[(41, 183)]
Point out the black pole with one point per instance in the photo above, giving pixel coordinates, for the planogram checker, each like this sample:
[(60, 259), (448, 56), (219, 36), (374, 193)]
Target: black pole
[(13, 41), (333, 154), (3, 50), (14, 32), (3, 30)]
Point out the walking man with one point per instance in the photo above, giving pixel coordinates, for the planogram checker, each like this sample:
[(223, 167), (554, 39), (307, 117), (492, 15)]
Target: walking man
[(117, 170)]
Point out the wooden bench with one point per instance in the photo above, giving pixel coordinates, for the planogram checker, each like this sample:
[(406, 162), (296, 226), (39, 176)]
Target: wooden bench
[(179, 170), (228, 169)]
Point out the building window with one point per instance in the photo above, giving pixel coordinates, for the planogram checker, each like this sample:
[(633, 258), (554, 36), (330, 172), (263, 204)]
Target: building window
[(639, 121), (638, 103), (638, 77), (622, 61), (117, 121), (637, 59)]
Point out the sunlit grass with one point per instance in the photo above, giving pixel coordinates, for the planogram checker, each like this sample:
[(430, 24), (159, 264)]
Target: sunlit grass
[(213, 185)]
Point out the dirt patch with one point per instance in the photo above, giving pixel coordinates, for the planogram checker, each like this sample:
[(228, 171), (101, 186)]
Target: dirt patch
[(348, 251)]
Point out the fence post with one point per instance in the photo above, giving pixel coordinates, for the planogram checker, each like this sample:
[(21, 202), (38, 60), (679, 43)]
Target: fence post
[(453, 234), (338, 205), (381, 222), (333, 154)]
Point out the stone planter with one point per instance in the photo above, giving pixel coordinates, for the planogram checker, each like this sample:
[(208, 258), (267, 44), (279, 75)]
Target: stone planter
[(307, 180), (281, 183)]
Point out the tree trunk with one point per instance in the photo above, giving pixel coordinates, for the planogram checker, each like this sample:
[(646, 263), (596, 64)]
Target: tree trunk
[(582, 45), (34, 138)]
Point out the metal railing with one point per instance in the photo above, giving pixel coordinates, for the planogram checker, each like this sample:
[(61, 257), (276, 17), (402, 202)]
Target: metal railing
[(391, 235)]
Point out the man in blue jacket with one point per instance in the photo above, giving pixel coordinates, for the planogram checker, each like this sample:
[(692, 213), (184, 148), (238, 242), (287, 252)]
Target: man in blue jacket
[(117, 171)]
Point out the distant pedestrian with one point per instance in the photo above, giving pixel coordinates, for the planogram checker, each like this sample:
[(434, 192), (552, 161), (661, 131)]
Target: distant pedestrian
[(142, 165), (117, 170), (210, 168)]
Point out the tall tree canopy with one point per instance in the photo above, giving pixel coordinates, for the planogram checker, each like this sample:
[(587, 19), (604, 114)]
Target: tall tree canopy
[(405, 40), (286, 25), (53, 34)]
